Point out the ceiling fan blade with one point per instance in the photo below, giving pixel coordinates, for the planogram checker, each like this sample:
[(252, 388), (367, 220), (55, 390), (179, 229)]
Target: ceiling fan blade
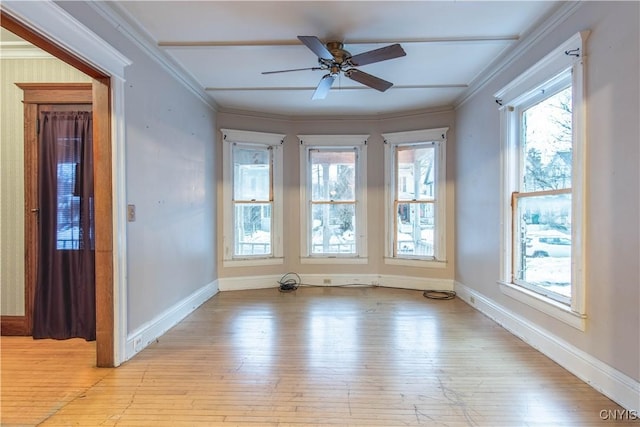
[(314, 43), (368, 80), (324, 86), (377, 55), (294, 69)]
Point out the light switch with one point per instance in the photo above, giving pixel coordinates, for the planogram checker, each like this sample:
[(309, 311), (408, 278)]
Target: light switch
[(131, 213)]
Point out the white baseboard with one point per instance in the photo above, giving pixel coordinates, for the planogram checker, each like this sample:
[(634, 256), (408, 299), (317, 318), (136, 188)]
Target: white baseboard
[(248, 282), (264, 282), (417, 283), (607, 380), (150, 331)]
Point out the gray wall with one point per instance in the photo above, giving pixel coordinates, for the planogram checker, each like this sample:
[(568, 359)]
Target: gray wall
[(170, 177), (612, 217)]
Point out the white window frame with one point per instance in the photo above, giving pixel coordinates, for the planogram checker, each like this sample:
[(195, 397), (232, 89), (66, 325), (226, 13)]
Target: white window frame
[(359, 143), (259, 139), (568, 58), (437, 137)]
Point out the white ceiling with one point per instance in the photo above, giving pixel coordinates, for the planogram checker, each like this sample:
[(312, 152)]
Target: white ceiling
[(225, 45)]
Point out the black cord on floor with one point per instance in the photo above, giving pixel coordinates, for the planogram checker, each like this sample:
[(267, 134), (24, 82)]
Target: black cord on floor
[(289, 282), (440, 295)]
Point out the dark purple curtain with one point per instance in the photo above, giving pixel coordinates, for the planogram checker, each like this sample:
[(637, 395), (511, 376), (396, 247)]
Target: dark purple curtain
[(64, 304)]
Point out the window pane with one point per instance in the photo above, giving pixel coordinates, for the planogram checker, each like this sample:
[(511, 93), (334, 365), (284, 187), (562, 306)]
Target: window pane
[(251, 174), (68, 213), (414, 231), (333, 175), (333, 229), (416, 174), (253, 228), (543, 244), (547, 143)]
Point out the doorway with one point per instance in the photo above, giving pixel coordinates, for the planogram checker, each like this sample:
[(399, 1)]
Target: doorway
[(100, 89), (59, 211)]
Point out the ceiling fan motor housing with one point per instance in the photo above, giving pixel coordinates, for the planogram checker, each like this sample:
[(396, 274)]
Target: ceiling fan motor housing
[(339, 54)]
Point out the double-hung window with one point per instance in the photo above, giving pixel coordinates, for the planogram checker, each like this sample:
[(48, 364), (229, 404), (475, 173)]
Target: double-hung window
[(252, 192), (416, 197), (333, 198), (543, 138)]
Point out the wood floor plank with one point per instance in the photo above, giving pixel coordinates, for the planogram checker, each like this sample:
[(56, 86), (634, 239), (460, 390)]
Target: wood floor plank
[(317, 356)]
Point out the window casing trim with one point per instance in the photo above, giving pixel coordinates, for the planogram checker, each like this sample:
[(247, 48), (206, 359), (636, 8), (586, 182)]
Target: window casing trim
[(437, 137), (545, 305), (541, 73), (359, 144), (566, 62), (256, 139), (252, 137)]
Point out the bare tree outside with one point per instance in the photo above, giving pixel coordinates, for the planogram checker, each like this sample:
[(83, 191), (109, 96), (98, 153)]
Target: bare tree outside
[(543, 212), (548, 141)]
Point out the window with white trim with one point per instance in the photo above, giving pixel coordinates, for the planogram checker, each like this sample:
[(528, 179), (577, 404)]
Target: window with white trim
[(415, 191), (333, 197), (252, 192), (543, 137)]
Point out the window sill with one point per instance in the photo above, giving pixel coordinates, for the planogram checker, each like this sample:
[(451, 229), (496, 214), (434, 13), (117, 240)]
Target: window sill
[(545, 305), (422, 263), (333, 260), (251, 262)]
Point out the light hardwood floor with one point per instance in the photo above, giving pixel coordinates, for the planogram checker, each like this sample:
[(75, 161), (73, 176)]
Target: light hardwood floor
[(317, 356)]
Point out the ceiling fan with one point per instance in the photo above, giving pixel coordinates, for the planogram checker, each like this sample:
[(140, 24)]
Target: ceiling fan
[(333, 58)]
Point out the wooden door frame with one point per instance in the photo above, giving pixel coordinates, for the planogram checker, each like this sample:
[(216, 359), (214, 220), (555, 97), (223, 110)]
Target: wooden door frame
[(101, 101)]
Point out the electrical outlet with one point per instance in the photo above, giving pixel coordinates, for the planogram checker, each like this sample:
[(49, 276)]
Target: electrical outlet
[(326, 281), (131, 213), (472, 300), (137, 344)]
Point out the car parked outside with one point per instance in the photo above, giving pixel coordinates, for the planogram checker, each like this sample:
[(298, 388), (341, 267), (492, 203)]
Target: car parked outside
[(557, 246)]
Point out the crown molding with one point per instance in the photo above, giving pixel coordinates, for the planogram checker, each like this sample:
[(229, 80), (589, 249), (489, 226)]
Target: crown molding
[(520, 49), (123, 22)]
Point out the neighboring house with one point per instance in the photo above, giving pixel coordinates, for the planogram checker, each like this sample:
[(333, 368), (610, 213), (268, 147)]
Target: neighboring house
[(559, 168)]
